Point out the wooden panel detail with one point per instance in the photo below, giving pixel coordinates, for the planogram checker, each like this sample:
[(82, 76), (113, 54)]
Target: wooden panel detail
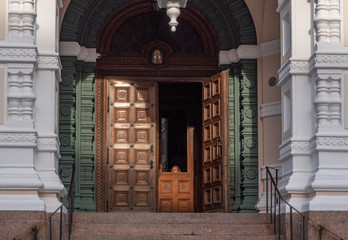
[(131, 136), (176, 188), (215, 143), (175, 192)]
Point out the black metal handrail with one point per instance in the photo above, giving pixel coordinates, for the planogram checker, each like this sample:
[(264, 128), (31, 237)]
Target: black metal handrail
[(33, 230), (70, 200), (277, 201)]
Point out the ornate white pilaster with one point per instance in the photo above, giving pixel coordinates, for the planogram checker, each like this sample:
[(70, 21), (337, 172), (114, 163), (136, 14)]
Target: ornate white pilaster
[(328, 21), (21, 20), (298, 121), (47, 78), (20, 97), (19, 180), (330, 178)]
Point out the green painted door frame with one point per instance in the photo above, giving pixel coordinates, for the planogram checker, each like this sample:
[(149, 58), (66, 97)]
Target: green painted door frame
[(76, 129)]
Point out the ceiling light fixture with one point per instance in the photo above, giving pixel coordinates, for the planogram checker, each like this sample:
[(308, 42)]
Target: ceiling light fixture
[(173, 10)]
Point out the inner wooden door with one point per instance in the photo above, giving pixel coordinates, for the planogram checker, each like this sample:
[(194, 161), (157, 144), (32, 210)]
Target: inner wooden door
[(175, 191), (215, 143), (131, 134), (180, 127)]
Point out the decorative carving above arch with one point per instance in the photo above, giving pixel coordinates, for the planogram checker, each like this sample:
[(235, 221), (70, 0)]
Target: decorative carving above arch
[(193, 23), (124, 39), (230, 19)]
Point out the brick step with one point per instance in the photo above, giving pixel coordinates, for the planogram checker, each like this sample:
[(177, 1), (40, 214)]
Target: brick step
[(107, 236), (175, 229), (189, 218)]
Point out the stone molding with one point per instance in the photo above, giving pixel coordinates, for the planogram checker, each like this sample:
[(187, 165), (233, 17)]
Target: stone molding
[(17, 139), (48, 143), (285, 150), (73, 49), (20, 55), (299, 147), (249, 52), (296, 147), (270, 109), (299, 66), (294, 67), (284, 72), (333, 60), (270, 48), (332, 143), (49, 62)]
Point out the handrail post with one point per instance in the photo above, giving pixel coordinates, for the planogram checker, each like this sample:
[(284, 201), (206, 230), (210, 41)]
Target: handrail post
[(35, 233), (51, 227), (275, 211), (279, 217), (291, 230), (277, 202), (266, 189), (60, 222), (303, 227), (320, 230), (271, 202)]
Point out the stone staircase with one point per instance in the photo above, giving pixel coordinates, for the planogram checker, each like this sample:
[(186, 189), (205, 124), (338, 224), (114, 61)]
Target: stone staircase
[(170, 226)]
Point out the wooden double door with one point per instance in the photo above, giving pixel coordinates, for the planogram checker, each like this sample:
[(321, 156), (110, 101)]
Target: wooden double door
[(141, 172)]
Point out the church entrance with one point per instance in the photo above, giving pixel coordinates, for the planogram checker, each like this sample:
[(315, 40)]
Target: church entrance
[(136, 49), (165, 150), (161, 126)]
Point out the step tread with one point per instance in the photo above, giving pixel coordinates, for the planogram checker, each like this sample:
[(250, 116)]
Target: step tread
[(106, 236), (175, 229), (230, 218)]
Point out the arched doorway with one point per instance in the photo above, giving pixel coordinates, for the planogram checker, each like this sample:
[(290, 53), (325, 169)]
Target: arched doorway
[(159, 63), (186, 63)]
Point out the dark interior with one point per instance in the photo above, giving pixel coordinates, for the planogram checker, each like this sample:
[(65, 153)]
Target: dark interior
[(180, 107)]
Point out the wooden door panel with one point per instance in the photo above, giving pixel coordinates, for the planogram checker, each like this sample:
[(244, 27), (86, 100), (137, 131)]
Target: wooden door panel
[(132, 140), (175, 193), (215, 142)]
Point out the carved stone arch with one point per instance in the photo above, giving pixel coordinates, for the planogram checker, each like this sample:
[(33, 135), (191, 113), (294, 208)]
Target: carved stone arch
[(130, 10), (230, 19)]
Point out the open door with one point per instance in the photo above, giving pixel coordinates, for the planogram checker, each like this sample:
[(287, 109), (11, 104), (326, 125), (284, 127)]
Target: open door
[(215, 143), (131, 137)]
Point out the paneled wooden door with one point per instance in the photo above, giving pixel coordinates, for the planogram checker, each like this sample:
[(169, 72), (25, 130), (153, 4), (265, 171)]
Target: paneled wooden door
[(175, 189), (215, 143), (131, 135)]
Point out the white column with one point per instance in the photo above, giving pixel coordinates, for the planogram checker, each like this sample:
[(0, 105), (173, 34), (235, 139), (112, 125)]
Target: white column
[(298, 115), (19, 180), (330, 181), (47, 80)]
